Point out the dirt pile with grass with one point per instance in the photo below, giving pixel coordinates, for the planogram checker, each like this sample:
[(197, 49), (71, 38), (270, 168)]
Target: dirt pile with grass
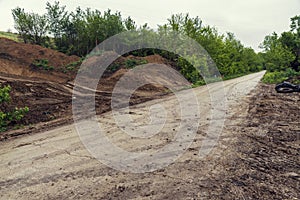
[(43, 79), (22, 59)]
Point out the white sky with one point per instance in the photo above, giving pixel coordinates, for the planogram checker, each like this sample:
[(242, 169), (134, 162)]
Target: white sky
[(249, 20)]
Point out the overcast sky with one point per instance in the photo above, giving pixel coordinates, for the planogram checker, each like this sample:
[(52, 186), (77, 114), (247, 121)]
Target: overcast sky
[(249, 20)]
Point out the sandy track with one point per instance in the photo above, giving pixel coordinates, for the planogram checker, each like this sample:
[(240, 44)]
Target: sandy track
[(55, 164)]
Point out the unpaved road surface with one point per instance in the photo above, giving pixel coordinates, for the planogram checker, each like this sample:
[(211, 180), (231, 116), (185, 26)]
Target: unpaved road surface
[(56, 165)]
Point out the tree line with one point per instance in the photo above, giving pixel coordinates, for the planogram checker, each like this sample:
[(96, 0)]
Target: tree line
[(281, 53), (78, 32), (73, 33)]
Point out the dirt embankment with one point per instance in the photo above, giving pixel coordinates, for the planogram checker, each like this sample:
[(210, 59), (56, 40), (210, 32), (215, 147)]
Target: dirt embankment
[(18, 59), (48, 92)]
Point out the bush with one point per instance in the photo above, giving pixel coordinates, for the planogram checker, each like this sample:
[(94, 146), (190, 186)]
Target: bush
[(74, 65), (113, 67), (131, 63), (43, 63), (279, 76), (8, 118), (4, 94)]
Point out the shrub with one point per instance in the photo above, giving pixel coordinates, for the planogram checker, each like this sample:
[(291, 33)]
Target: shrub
[(74, 65), (131, 63), (4, 94), (279, 76), (113, 67), (9, 117), (43, 64)]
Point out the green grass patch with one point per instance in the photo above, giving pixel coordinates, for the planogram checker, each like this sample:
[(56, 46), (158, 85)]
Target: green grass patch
[(11, 36)]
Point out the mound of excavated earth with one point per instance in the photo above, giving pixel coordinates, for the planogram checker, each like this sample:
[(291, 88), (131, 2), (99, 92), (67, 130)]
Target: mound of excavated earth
[(48, 92)]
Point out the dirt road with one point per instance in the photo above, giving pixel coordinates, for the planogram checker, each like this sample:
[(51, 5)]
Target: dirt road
[(56, 165)]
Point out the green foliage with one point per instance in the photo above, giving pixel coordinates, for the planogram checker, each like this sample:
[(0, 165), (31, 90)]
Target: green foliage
[(75, 33), (4, 94), (279, 76), (281, 54), (74, 65), (188, 70), (228, 53), (78, 32), (8, 118), (42, 64), (32, 27), (113, 67), (11, 117), (131, 63), (129, 24), (274, 77), (277, 57)]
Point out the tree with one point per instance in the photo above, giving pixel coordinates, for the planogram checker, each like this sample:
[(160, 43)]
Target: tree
[(22, 25), (32, 27), (129, 24), (56, 14), (39, 28), (57, 19), (295, 24), (295, 29), (276, 57), (282, 52), (78, 32)]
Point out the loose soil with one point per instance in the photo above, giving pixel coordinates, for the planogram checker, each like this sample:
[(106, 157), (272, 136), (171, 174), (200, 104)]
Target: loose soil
[(257, 157), (265, 161), (48, 93), (18, 58)]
